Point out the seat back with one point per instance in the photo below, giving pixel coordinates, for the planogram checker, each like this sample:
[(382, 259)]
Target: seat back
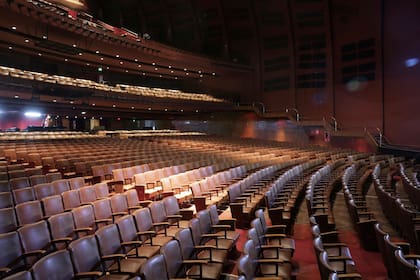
[(101, 190), (84, 217), (35, 236), (56, 265), (11, 249), (87, 194), (102, 209), (108, 240), (19, 183), (85, 254), (127, 228), (43, 190), (155, 268), (132, 198), (325, 268), (390, 249), (52, 205), (29, 212), (8, 221), (173, 258), (62, 225), (6, 199), (37, 179), (406, 269), (245, 267), (185, 240), (143, 221), (51, 177), (22, 275), (119, 203), (171, 205), (61, 186), (76, 183), (71, 199)]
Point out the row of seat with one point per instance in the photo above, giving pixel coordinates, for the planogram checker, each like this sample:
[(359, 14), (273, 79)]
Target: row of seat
[(399, 211), (268, 252), (354, 179), (124, 246)]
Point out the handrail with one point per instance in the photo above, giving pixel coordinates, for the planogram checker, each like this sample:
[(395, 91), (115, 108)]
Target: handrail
[(296, 111)]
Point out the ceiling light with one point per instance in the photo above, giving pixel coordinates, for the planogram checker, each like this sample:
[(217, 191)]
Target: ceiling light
[(199, 71), (96, 51), (10, 48), (153, 63), (166, 110), (149, 108), (176, 78), (139, 65), (93, 104), (126, 71), (156, 69), (113, 106), (196, 111), (71, 102), (16, 96), (214, 74), (14, 27), (187, 73), (172, 71), (40, 54), (169, 66), (87, 64), (160, 76), (102, 58), (201, 76), (117, 55), (136, 60), (26, 41), (121, 62), (45, 37), (182, 110), (80, 53), (74, 45), (54, 100), (132, 108), (66, 59), (144, 74), (83, 113), (32, 114), (185, 69)]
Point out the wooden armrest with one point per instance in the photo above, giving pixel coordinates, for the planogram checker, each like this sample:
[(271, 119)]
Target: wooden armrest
[(89, 274), (113, 257)]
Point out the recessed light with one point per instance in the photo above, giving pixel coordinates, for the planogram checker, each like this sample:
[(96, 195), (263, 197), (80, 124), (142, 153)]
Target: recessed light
[(182, 110), (16, 96), (139, 65), (199, 71), (156, 69), (144, 74), (201, 76), (66, 59), (121, 62), (166, 110), (149, 109), (93, 104), (185, 69), (45, 37), (80, 53), (102, 58), (40, 54), (126, 71), (172, 71), (187, 73), (196, 111), (136, 60), (117, 55), (153, 64), (87, 64), (100, 118), (83, 113), (71, 102), (26, 41), (176, 78), (132, 108), (67, 117), (74, 45), (160, 76), (54, 100), (10, 48), (113, 106), (214, 74), (14, 27), (96, 51), (169, 66), (107, 67)]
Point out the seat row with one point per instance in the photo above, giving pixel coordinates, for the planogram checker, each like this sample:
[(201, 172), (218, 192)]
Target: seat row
[(198, 249)]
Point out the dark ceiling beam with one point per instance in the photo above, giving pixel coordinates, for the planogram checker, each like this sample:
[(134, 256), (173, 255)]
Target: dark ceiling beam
[(169, 23), (226, 44), (257, 42), (199, 39)]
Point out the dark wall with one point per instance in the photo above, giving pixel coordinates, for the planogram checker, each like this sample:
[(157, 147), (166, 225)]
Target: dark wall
[(401, 75)]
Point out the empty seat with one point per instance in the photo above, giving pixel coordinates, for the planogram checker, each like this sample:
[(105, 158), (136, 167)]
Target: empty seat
[(29, 212), (113, 254), (103, 211), (37, 179), (76, 183), (87, 261), (8, 221), (155, 268), (71, 199), (6, 199), (60, 186), (51, 177), (56, 265), (84, 218), (19, 183), (52, 205), (161, 221), (35, 238), (101, 190), (87, 194)]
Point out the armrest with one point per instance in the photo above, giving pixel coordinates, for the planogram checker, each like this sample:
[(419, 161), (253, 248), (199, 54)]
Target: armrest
[(65, 240), (165, 224), (195, 261), (89, 275), (103, 221), (174, 217), (113, 257)]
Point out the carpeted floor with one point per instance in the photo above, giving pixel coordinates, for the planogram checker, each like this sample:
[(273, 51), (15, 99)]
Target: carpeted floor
[(369, 264)]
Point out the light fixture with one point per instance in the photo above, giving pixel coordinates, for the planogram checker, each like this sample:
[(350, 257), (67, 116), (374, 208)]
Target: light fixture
[(136, 60), (187, 73), (144, 74), (102, 58), (10, 48), (66, 59), (74, 45), (199, 71), (156, 69), (132, 108), (182, 110), (71, 102), (126, 71), (83, 113), (93, 104), (14, 28), (149, 108), (45, 37), (26, 41), (169, 66), (139, 65), (214, 74), (176, 78), (185, 69), (172, 71), (31, 114), (117, 55), (39, 54), (54, 100), (166, 110), (113, 106), (16, 96), (153, 64), (196, 111), (201, 76), (121, 62), (80, 53), (96, 51), (88, 64)]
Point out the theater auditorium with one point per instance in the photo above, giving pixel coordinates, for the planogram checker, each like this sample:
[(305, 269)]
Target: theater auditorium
[(209, 139)]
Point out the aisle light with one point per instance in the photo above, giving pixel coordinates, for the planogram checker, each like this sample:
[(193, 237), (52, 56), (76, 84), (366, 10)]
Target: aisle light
[(32, 114)]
